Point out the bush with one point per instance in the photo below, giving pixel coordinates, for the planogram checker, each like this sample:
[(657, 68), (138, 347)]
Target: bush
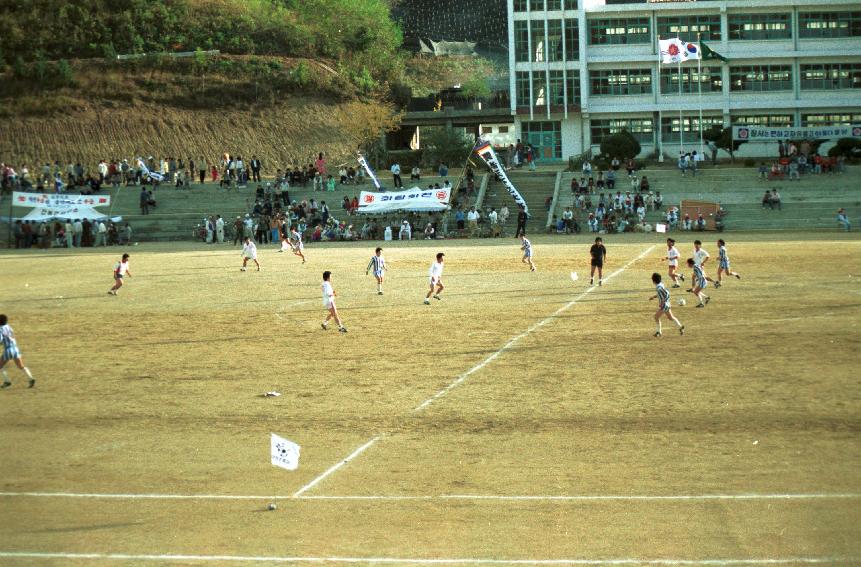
[(444, 145), (622, 145), (65, 73), (847, 147), (406, 158)]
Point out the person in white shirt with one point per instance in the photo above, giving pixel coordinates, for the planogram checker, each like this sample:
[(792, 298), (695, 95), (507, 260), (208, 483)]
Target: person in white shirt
[(102, 234), (526, 246), (503, 214), (472, 221), (79, 232), (249, 252), (295, 243), (329, 303), (396, 175), (701, 257), (219, 229), (436, 286), (121, 270), (406, 232), (672, 259)]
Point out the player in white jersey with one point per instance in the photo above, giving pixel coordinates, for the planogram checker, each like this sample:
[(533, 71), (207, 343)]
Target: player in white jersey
[(378, 264), (249, 252), (700, 283), (329, 303), (121, 270), (435, 274), (526, 246), (723, 263), (296, 244), (672, 259), (664, 307), (701, 257), (11, 352)]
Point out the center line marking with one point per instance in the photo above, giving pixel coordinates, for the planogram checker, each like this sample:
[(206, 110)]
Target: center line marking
[(336, 466)]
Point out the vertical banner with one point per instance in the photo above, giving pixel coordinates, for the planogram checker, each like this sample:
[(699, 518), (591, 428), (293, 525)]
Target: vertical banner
[(485, 152), (369, 171)]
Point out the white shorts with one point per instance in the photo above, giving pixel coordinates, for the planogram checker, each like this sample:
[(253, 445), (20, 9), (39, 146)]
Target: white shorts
[(250, 256), (299, 247), (435, 281), (328, 303), (673, 263)]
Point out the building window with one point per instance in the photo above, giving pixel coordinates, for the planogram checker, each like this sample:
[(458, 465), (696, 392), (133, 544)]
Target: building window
[(539, 42), (503, 129), (829, 24), (620, 82), (554, 5), (536, 5), (521, 5), (774, 120), (760, 26), (521, 40), (556, 95), (521, 89), (831, 76), (710, 80), (830, 119), (619, 31), (572, 40), (672, 127), (539, 88), (487, 129), (554, 40), (573, 87), (760, 78), (641, 128), (545, 137), (708, 27)]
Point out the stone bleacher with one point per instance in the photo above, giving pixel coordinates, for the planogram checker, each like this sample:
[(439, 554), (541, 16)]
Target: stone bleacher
[(810, 203), (535, 187)]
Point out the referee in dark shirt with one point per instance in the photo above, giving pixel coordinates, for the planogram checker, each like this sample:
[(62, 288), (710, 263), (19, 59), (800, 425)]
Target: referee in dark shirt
[(599, 254)]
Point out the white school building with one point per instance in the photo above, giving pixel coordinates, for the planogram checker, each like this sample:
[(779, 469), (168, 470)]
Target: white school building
[(584, 69)]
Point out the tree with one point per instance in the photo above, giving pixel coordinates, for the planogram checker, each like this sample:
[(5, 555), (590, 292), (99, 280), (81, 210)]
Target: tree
[(475, 89), (445, 145), (847, 147), (621, 144), (722, 138)]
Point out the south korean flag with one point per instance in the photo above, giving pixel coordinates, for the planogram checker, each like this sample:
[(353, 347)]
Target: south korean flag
[(284, 453)]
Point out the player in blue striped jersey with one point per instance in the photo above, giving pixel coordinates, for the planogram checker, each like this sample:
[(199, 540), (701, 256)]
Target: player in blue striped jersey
[(378, 264), (723, 263), (11, 352), (526, 246), (664, 307), (700, 283)]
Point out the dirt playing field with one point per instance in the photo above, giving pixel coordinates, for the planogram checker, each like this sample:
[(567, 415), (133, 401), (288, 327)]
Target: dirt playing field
[(524, 419)]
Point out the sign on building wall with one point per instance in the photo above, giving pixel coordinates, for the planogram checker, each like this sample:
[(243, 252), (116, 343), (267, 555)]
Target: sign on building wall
[(765, 133)]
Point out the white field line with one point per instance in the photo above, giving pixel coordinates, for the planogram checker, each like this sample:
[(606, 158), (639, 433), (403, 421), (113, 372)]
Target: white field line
[(447, 497), (426, 561), (336, 466), (460, 379)]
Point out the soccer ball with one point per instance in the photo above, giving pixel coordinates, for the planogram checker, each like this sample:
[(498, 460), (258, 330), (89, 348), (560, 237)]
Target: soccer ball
[(682, 303)]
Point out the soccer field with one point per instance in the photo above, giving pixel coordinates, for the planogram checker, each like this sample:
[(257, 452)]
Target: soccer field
[(524, 419)]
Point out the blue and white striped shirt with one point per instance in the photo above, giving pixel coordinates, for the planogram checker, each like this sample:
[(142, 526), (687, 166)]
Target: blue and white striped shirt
[(377, 263), (698, 274), (7, 337), (724, 259), (663, 294)]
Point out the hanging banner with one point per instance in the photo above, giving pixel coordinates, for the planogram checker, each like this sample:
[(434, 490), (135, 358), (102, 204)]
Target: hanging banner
[(766, 133), (82, 212), (369, 171), (485, 152), (58, 200), (415, 199)]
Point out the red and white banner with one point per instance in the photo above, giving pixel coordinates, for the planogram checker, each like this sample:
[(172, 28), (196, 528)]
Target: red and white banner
[(58, 200), (415, 199)]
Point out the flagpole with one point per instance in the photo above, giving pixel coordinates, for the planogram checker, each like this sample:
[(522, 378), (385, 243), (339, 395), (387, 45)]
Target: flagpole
[(700, 89), (681, 119)]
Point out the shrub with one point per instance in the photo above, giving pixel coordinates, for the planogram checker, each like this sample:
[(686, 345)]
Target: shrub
[(622, 144)]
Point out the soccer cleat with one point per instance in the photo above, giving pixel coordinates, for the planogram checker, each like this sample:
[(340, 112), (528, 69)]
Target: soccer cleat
[(690, 290), (31, 383), (682, 330), (658, 334), (533, 269), (681, 277), (242, 270), (5, 384), (342, 329), (111, 292), (427, 301), (676, 285), (701, 305), (708, 299), (717, 285), (437, 297), (380, 292), (591, 281), (600, 282), (324, 326), (737, 276)]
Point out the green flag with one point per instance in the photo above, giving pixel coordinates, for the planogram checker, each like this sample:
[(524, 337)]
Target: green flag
[(709, 53)]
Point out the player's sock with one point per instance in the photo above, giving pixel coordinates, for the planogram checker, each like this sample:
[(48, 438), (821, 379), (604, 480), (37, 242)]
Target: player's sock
[(659, 327), (677, 322), (27, 372), (6, 381)]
